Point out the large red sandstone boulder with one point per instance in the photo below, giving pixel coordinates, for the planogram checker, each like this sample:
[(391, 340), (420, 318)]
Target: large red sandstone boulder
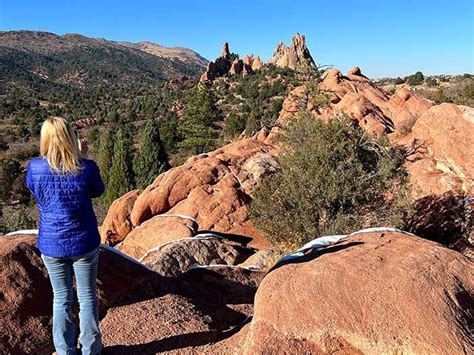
[(198, 310), (27, 298), (155, 325), (157, 231), (214, 189), (117, 223), (447, 131), (374, 293)]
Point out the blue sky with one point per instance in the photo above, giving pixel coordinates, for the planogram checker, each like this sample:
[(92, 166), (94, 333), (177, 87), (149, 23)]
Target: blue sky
[(383, 37)]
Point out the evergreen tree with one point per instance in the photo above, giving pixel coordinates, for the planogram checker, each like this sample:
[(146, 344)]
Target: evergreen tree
[(121, 178), (151, 160), (198, 124), (169, 131), (105, 153)]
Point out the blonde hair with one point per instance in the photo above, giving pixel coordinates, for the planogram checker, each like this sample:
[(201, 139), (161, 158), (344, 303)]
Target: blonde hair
[(60, 146)]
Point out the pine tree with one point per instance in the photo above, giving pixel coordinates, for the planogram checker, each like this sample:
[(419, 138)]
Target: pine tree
[(105, 153), (121, 178), (151, 160), (198, 123)]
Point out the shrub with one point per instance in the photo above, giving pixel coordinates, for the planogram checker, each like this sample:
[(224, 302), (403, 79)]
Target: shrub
[(334, 179), (415, 79), (468, 90), (234, 124), (399, 81), (441, 97), (18, 217), (431, 82)]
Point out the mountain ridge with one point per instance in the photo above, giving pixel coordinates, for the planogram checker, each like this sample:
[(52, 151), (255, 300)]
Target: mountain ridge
[(15, 39)]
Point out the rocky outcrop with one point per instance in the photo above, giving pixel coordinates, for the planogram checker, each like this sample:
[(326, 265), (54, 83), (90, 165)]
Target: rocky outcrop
[(193, 318), (446, 132), (84, 123), (435, 165), (224, 65), (24, 287), (296, 56), (214, 189), (157, 231), (27, 297), (178, 257), (357, 96), (255, 63), (117, 223), (373, 293), (140, 311)]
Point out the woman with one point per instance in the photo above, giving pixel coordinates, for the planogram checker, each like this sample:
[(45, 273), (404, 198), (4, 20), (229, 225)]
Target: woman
[(63, 183)]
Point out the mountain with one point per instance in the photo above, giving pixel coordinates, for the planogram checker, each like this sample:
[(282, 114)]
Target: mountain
[(41, 61)]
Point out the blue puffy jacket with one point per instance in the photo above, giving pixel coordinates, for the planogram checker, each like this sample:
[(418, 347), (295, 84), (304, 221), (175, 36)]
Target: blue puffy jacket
[(67, 223)]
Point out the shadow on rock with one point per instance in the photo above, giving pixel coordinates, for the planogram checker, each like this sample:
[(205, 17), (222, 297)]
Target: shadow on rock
[(446, 219), (312, 254), (237, 238), (175, 342)]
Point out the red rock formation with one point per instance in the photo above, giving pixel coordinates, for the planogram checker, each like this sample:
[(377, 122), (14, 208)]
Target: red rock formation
[(439, 167), (157, 231), (357, 96), (219, 67), (223, 66), (141, 312), (446, 132), (370, 294), (237, 67), (117, 223), (255, 63), (191, 318), (296, 56), (214, 189), (27, 297)]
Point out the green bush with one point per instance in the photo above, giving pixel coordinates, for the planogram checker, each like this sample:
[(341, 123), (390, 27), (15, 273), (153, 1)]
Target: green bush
[(431, 82), (441, 97), (399, 81), (415, 79), (234, 124), (334, 179)]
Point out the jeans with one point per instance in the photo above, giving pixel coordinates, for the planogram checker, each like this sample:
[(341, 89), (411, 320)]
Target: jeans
[(61, 271)]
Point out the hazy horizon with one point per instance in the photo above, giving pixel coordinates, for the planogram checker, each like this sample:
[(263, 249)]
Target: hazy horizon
[(396, 38)]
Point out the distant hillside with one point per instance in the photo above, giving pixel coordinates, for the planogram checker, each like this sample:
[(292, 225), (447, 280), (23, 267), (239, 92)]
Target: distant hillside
[(45, 62), (184, 54)]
